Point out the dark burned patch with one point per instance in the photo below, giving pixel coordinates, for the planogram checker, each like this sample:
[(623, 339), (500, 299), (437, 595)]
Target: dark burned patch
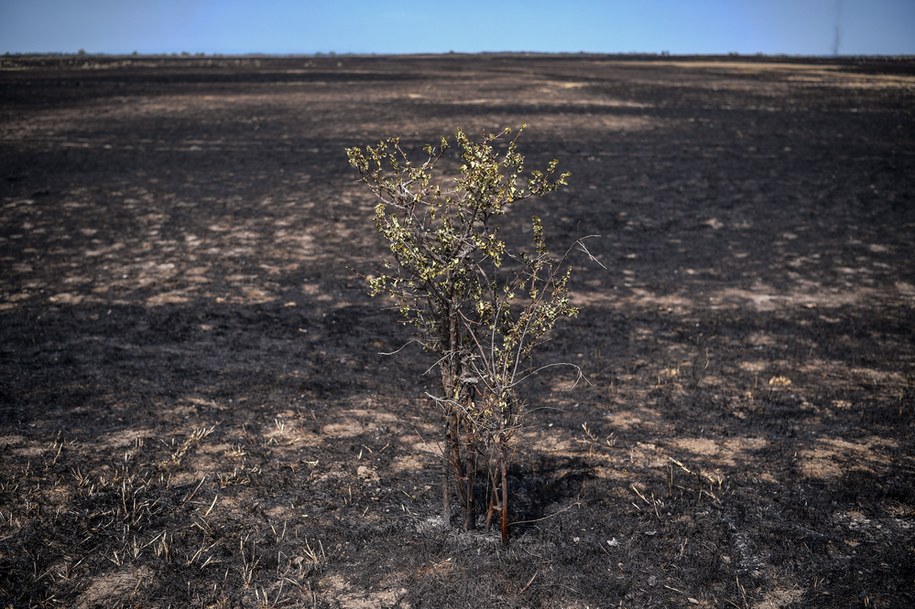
[(194, 410)]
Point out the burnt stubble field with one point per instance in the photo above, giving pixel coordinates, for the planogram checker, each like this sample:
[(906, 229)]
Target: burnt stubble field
[(194, 411)]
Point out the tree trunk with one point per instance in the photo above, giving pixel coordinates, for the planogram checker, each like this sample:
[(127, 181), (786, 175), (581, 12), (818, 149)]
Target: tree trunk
[(462, 454), (470, 504), (504, 471), (446, 477)]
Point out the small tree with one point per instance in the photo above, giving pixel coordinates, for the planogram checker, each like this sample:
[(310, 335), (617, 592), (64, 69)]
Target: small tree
[(480, 307)]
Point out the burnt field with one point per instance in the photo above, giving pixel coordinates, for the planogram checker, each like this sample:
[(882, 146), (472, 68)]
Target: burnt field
[(194, 411)]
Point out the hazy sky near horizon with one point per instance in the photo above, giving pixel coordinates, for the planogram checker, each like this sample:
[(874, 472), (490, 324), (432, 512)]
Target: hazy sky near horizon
[(794, 27)]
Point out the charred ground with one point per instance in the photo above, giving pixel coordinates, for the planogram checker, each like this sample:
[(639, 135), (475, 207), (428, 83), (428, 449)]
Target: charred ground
[(193, 411)]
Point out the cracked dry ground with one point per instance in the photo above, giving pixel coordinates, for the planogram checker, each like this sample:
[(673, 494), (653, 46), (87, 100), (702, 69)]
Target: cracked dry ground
[(194, 411)]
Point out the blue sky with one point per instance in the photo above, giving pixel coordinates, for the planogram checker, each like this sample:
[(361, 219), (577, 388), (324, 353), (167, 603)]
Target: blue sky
[(797, 27)]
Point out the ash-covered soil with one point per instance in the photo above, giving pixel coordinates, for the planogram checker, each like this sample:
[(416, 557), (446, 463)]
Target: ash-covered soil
[(194, 411)]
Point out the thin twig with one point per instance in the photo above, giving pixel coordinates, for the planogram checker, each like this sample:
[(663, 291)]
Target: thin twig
[(548, 516), (591, 257), (529, 582), (407, 344)]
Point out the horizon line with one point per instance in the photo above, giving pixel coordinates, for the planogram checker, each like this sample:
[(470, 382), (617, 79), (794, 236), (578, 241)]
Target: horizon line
[(326, 54)]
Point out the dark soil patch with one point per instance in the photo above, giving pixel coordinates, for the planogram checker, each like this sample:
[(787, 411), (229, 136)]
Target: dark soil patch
[(193, 411)]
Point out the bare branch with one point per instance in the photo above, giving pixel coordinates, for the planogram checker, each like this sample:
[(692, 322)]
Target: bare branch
[(407, 344), (581, 245)]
